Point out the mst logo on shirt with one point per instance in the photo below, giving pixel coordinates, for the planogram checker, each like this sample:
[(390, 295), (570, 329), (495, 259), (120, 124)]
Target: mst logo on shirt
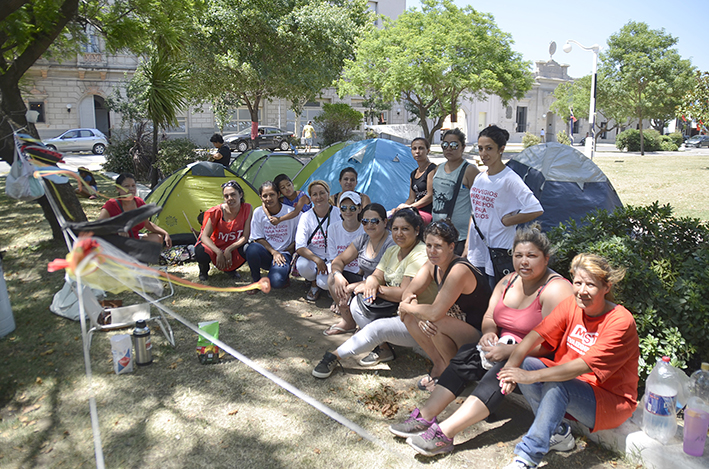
[(230, 236), (580, 339)]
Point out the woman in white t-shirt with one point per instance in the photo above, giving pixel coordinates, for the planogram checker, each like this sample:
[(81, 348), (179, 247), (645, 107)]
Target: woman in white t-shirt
[(271, 246), (500, 201), (311, 238)]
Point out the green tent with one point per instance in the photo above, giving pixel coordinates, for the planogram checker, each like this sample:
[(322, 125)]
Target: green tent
[(315, 163), (267, 167), (186, 192), (246, 159)]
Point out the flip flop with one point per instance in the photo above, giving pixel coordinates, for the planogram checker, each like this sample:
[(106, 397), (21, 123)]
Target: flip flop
[(427, 383), (337, 330)]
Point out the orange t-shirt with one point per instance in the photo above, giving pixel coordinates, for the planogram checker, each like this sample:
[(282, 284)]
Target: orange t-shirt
[(610, 347)]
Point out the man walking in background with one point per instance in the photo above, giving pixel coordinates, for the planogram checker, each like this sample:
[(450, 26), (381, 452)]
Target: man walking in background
[(308, 136)]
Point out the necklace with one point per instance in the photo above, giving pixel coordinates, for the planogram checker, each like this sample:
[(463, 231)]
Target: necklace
[(375, 250)]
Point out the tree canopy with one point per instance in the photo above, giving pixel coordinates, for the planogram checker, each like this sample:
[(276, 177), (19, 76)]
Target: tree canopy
[(429, 59), (645, 74), (695, 104), (250, 51)]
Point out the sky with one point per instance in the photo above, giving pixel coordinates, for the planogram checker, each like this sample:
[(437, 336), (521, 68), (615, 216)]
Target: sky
[(533, 25)]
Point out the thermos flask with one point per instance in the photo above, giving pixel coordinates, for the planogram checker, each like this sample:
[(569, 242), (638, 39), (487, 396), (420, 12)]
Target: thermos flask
[(141, 337)]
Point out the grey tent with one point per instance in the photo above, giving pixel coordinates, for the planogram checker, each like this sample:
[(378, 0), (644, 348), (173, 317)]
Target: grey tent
[(565, 181)]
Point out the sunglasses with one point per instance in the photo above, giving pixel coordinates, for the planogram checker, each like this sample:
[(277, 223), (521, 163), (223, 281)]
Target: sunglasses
[(351, 208), (452, 145), (233, 184), (373, 221)]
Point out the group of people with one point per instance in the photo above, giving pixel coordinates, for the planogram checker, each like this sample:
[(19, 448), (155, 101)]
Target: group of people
[(448, 271)]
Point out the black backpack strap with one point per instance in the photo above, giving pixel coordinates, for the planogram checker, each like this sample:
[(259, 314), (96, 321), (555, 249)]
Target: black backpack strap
[(456, 190), (320, 227)]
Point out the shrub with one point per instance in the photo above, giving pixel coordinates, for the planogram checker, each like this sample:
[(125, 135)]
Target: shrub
[(629, 139), (175, 154), (562, 138), (676, 138), (118, 158), (338, 122), (529, 139), (666, 286), (668, 145)]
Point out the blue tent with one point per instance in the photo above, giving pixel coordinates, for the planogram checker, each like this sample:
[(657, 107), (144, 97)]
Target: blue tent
[(383, 168), (565, 181)]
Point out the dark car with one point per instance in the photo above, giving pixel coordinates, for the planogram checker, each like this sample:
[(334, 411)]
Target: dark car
[(697, 141), (270, 137)]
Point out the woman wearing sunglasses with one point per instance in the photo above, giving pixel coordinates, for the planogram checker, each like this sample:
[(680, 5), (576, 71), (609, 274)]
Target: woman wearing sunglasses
[(357, 262), (342, 233), (451, 186), (377, 299), (225, 232), (311, 238)]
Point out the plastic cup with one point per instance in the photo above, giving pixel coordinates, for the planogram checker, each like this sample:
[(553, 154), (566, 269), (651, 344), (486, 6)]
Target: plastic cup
[(696, 424)]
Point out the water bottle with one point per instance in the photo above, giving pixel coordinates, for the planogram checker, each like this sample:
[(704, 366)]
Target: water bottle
[(660, 412), (143, 347), (696, 416)]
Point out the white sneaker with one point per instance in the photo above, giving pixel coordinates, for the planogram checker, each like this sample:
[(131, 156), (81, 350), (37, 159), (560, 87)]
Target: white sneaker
[(519, 463), (562, 439)]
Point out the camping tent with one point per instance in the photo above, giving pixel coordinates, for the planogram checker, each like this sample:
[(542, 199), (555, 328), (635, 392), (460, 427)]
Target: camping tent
[(184, 193), (565, 181), (321, 157), (383, 169), (267, 167), (246, 158)]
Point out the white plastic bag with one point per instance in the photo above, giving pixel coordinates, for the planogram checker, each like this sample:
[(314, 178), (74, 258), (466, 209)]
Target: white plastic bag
[(122, 350), (20, 183)]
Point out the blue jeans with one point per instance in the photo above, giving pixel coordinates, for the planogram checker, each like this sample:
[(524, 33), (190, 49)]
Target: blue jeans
[(259, 258), (550, 401)]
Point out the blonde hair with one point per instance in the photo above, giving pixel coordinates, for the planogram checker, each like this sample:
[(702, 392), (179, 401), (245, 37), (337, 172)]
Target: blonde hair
[(319, 182), (599, 267)]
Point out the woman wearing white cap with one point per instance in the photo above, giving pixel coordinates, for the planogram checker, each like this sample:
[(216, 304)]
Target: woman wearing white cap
[(311, 238)]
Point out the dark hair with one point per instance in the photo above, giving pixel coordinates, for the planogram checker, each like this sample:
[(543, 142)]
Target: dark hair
[(375, 207), (348, 169), (424, 140), (236, 187), (279, 179), (412, 217), (216, 138), (265, 185), (533, 234), (444, 229), (123, 176), (498, 135), (457, 133)]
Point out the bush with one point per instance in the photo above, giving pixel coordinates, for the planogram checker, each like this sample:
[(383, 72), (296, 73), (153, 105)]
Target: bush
[(630, 140), (529, 139), (562, 138), (118, 158), (676, 138), (666, 285), (338, 121), (175, 154), (668, 146)]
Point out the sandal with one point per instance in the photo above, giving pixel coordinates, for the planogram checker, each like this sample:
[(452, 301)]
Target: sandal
[(313, 294), (337, 330), (427, 383)]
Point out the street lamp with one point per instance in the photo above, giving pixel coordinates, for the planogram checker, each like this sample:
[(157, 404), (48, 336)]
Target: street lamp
[(590, 147)]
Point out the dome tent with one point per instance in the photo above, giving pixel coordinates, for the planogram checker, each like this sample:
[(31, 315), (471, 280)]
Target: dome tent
[(565, 181), (194, 188), (383, 169)]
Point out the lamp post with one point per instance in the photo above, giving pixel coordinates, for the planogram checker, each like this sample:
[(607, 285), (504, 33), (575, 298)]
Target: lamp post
[(590, 147)]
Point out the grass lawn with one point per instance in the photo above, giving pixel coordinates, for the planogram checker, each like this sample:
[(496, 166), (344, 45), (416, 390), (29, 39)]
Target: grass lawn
[(178, 413), (669, 177)]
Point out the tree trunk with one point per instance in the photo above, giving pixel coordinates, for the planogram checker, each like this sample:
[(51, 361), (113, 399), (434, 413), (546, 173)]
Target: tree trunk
[(642, 137), (154, 179), (68, 204)]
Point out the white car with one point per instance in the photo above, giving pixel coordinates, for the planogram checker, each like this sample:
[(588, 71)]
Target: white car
[(79, 140)]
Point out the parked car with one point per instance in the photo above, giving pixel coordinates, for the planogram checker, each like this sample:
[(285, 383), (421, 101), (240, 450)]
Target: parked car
[(697, 141), (270, 137), (79, 140)]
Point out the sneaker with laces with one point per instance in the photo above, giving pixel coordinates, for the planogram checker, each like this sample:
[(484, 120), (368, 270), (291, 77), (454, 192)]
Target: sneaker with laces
[(520, 463), (326, 366), (431, 442), (412, 426), (378, 355), (562, 439)]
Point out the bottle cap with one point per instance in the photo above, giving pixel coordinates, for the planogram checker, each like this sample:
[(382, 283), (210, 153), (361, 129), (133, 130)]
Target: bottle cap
[(705, 366), (666, 359), (140, 323)]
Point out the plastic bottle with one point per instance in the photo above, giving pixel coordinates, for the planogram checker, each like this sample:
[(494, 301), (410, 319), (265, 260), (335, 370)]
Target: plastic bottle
[(660, 413), (143, 346), (696, 417)]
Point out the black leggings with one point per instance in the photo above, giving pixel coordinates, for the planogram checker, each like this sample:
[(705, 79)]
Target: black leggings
[(465, 368)]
